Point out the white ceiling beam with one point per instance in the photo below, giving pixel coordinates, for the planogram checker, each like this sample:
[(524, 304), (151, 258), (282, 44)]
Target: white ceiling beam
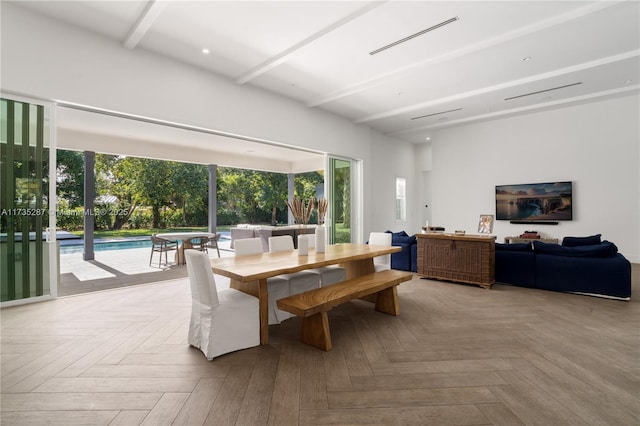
[(505, 85), (281, 57), (484, 44), (552, 104), (144, 22)]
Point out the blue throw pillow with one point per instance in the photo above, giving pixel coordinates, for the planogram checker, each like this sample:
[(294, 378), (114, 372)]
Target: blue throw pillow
[(514, 247), (581, 241), (401, 238)]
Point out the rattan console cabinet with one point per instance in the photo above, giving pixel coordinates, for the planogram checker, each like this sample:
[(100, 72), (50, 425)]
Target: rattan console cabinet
[(459, 258)]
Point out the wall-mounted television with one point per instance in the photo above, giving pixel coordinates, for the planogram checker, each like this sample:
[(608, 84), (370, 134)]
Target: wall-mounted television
[(539, 202)]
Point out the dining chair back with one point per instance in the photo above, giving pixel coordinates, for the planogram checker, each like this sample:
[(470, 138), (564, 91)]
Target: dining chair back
[(196, 243), (381, 263), (247, 246), (221, 321), (281, 243), (328, 274), (299, 282), (160, 245), (212, 242)]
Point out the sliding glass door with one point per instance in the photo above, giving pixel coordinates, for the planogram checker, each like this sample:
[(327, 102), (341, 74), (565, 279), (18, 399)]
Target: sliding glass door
[(343, 189), (25, 267)]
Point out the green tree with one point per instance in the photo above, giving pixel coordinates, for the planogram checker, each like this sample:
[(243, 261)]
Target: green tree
[(70, 177), (190, 191), (112, 180), (271, 192)]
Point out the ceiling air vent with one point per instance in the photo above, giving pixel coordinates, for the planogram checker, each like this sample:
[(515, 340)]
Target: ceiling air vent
[(436, 113), (543, 91), (419, 33)]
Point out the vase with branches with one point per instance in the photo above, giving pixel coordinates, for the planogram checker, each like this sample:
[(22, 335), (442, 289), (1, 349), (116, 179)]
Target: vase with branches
[(322, 206), (300, 210)]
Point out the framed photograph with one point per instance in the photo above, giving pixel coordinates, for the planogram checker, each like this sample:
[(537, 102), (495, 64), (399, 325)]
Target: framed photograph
[(485, 225)]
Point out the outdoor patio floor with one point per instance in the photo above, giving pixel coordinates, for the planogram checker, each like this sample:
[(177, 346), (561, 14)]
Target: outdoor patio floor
[(122, 268)]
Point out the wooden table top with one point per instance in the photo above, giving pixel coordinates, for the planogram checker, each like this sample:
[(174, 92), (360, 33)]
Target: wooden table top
[(265, 265)]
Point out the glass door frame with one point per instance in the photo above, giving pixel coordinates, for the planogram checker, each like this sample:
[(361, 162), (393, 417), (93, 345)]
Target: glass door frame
[(356, 189), (50, 244)]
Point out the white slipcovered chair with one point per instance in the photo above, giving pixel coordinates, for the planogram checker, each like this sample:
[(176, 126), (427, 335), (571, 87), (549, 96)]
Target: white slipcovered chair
[(328, 274), (221, 321), (381, 263), (299, 282), (277, 287)]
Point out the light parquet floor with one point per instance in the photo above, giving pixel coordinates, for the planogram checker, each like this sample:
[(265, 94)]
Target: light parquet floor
[(457, 355)]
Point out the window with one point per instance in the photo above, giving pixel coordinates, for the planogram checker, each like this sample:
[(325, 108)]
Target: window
[(401, 199)]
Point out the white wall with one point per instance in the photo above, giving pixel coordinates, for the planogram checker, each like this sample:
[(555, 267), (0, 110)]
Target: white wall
[(424, 196), (391, 159), (595, 145)]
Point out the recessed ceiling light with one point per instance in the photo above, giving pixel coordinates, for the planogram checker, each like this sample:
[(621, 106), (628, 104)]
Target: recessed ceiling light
[(526, 58), (428, 138), (205, 51)]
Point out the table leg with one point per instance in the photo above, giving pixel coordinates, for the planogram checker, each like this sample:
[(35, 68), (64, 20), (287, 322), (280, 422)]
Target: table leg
[(264, 312), (358, 268)]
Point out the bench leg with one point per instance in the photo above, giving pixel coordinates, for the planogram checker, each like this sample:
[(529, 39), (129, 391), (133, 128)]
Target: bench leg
[(387, 301), (315, 331)]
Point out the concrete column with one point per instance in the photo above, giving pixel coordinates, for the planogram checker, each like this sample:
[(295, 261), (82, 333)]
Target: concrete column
[(291, 191), (89, 196), (213, 197)]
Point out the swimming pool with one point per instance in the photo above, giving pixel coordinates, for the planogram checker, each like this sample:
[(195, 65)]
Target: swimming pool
[(106, 245), (75, 246)]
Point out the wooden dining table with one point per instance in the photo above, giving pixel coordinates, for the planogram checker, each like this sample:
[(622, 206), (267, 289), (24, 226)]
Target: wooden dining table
[(249, 273)]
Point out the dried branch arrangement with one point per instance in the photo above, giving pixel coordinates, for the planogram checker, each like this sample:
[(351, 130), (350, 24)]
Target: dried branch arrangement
[(301, 212), (323, 205)]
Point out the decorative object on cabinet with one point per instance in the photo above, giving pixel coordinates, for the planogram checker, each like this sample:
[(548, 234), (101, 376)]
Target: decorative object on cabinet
[(485, 225)]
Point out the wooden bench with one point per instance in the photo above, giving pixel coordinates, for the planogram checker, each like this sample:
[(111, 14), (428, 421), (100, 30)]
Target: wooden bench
[(313, 305)]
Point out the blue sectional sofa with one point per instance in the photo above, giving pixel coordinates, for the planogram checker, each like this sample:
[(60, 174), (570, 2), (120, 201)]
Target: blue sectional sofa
[(406, 259), (583, 265)]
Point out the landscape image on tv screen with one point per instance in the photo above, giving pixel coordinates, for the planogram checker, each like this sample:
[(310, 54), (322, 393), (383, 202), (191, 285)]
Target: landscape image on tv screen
[(534, 201)]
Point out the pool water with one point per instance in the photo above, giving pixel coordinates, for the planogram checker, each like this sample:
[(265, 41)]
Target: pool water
[(103, 246)]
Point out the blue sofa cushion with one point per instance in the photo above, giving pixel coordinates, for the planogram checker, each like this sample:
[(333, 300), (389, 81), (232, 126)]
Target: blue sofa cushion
[(581, 241), (402, 238), (604, 249), (513, 247)]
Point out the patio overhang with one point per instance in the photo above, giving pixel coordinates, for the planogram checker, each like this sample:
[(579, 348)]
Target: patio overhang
[(117, 134)]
